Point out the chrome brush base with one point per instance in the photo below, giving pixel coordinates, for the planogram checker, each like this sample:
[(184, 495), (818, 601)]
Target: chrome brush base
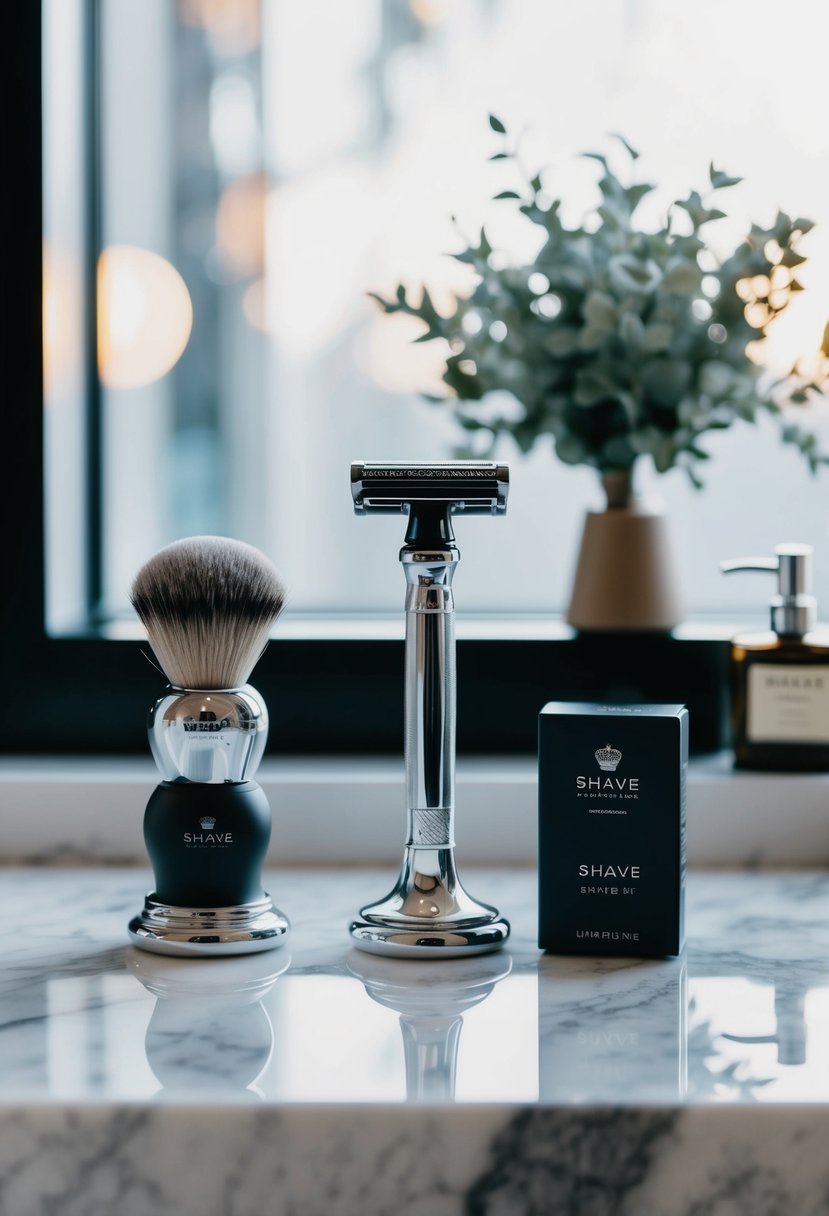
[(244, 929), (429, 914)]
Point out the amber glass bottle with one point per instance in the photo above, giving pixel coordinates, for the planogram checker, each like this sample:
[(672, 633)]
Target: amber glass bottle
[(780, 677)]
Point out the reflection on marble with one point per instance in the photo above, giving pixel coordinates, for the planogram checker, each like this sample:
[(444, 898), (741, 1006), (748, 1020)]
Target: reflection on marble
[(612, 1030), (208, 1033), (514, 1083), (431, 1004)]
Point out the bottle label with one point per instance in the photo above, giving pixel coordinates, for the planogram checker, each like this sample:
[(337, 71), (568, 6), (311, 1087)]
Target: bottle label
[(788, 704)]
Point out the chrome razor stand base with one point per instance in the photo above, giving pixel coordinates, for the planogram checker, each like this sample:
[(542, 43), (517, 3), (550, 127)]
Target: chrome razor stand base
[(429, 914), (244, 929)]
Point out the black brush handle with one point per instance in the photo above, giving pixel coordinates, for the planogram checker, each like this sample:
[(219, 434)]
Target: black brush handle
[(203, 864)]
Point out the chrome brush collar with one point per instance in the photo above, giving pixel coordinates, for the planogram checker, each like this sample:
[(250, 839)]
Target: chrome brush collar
[(245, 929)]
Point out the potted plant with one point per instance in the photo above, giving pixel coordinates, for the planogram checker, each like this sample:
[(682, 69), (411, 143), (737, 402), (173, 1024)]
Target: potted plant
[(621, 343)]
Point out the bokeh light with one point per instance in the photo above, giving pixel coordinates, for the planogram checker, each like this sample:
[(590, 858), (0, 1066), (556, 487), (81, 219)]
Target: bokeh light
[(233, 26), (61, 322), (240, 226), (144, 316)]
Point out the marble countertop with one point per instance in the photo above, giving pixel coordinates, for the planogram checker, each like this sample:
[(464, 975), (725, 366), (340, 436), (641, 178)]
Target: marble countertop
[(316, 1079)]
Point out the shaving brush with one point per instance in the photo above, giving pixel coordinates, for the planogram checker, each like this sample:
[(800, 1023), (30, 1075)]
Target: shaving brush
[(208, 604)]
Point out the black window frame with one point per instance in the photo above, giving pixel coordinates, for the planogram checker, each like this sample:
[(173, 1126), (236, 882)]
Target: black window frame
[(89, 694)]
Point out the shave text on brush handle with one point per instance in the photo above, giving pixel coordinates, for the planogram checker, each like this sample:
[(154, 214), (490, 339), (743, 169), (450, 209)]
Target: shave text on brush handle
[(208, 825)]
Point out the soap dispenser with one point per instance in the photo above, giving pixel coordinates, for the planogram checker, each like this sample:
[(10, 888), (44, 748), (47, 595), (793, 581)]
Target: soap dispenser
[(780, 677)]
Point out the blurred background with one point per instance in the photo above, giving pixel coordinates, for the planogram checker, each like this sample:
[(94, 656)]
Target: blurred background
[(225, 180)]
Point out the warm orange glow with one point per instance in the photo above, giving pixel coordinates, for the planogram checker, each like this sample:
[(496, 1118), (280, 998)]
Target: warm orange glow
[(388, 355), (233, 26), (240, 225), (254, 305), (61, 322), (144, 316), (430, 12)]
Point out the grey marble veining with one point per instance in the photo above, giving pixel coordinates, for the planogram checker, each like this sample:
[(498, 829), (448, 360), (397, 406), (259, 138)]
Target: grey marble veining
[(315, 1079)]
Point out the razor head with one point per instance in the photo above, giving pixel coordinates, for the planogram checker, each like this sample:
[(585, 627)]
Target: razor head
[(476, 487)]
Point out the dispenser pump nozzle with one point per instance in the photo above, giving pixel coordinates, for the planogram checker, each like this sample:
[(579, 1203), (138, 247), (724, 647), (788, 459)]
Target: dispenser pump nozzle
[(794, 608)]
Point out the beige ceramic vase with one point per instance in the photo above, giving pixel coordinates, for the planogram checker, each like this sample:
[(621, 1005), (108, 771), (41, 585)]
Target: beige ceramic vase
[(626, 575)]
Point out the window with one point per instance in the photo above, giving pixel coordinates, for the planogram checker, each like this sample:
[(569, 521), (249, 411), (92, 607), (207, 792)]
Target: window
[(258, 168), (222, 183)]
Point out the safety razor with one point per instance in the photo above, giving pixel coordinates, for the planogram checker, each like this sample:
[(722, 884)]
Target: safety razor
[(428, 913)]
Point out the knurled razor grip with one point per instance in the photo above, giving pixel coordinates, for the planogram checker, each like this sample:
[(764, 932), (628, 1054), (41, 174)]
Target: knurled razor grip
[(429, 913)]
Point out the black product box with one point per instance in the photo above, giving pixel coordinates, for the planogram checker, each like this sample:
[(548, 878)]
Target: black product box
[(611, 820)]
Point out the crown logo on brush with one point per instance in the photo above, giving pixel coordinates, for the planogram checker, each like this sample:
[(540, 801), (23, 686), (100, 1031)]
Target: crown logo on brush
[(608, 758), (207, 822)]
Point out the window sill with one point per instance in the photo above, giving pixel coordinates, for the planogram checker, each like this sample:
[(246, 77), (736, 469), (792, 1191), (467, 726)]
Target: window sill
[(349, 811), (469, 626)]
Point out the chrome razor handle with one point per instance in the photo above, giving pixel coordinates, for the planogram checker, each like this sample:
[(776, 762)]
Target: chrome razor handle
[(429, 914), (430, 697), (207, 827)]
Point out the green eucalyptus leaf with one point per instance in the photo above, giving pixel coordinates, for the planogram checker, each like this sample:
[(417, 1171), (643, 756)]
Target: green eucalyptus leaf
[(497, 125), (635, 194), (630, 274), (600, 309), (632, 153), (666, 380), (506, 194), (631, 330), (656, 337), (782, 229), (613, 215), (629, 404), (691, 204), (618, 453), (571, 450), (663, 453), (716, 378), (563, 341), (792, 259), (683, 275), (592, 387), (386, 305), (721, 180), (592, 337), (427, 309)]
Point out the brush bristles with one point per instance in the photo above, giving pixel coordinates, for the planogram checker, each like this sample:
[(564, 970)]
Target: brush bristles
[(208, 604)]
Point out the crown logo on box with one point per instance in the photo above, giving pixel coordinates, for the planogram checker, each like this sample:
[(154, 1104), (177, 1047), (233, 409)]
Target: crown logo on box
[(207, 822), (608, 758)]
